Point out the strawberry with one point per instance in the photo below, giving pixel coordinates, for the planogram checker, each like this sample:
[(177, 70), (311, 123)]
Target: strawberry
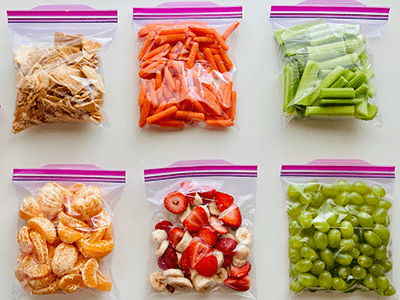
[(197, 250), (170, 288), (226, 245), (196, 219), (175, 236), (169, 260), (188, 185), (185, 264), (207, 266), (207, 193), (190, 196), (242, 284), (208, 235), (227, 260), (239, 272), (223, 200), (217, 225), (164, 225), (175, 202), (231, 216)]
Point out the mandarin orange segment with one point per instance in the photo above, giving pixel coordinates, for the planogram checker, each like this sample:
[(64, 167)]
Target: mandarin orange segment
[(24, 240), (96, 249), (71, 283), (71, 222), (39, 283), (20, 274), (40, 246), (44, 227), (87, 207), (50, 199), (34, 269), (50, 289), (29, 209), (67, 234), (103, 284), (109, 232), (65, 257), (89, 273)]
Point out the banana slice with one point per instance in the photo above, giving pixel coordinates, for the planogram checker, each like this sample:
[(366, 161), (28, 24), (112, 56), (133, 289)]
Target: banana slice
[(197, 200), (161, 248), (206, 210), (214, 208), (220, 257), (183, 216), (159, 236), (203, 284), (193, 274), (242, 252), (228, 236), (179, 257), (179, 282), (243, 236), (158, 281), (182, 245), (238, 262), (221, 275), (173, 273)]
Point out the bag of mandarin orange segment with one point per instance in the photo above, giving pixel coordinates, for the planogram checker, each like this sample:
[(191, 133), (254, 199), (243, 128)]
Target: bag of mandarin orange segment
[(202, 228), (186, 65), (65, 231)]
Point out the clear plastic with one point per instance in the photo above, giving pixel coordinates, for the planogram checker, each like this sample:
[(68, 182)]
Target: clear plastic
[(59, 75), (187, 70), (201, 194)]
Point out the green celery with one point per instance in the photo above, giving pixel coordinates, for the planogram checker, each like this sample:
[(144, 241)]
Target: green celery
[(335, 34), (324, 73), (330, 111), (349, 61), (337, 93), (338, 102), (281, 35), (308, 83), (291, 83), (371, 90), (348, 74), (330, 51), (361, 91), (372, 112), (339, 83), (361, 110), (358, 80)]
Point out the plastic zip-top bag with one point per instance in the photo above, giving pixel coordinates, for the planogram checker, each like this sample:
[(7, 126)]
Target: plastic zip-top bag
[(58, 52), (65, 231), (202, 228), (187, 69), (324, 49), (339, 238)]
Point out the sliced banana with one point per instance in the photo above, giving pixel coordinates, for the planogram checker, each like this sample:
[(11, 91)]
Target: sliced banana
[(206, 210), (179, 282), (179, 257), (242, 252), (158, 281), (197, 200), (193, 274), (214, 208), (182, 245), (228, 236), (203, 284), (220, 257), (161, 248), (173, 273), (159, 236), (221, 275), (238, 262), (243, 236), (183, 215)]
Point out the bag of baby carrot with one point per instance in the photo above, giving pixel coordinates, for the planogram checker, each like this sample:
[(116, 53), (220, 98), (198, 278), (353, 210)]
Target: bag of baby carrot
[(186, 65), (324, 52)]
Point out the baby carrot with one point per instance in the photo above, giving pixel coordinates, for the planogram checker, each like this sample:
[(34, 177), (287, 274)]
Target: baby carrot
[(226, 59), (212, 50), (168, 77), (152, 68), (201, 30), (170, 38), (199, 56), (156, 51), (161, 107), (220, 63), (166, 91), (220, 40), (162, 115), (196, 104), (142, 93), (152, 93), (227, 95), (176, 50), (220, 123), (158, 79), (204, 39), (209, 57), (185, 47), (171, 123), (232, 109), (172, 102), (192, 55), (189, 116), (211, 106), (144, 112), (229, 30), (178, 90), (166, 31), (146, 45)]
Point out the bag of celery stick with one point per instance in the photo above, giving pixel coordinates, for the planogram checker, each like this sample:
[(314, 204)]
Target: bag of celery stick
[(324, 52), (339, 235)]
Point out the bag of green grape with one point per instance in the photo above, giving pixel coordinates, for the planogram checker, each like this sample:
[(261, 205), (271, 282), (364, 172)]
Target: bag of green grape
[(324, 52), (339, 237)]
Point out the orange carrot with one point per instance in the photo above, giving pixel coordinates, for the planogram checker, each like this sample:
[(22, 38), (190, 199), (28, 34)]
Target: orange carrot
[(171, 123), (148, 43), (192, 55), (189, 115), (227, 95), (162, 115), (166, 91), (168, 77), (172, 102), (159, 50), (220, 123), (152, 92), (212, 50), (220, 63), (152, 68), (142, 93), (161, 107), (144, 112), (226, 59), (232, 109), (229, 30), (178, 90), (170, 38), (209, 57), (166, 31), (204, 39), (200, 56), (196, 104), (220, 40), (185, 47), (176, 50), (158, 79), (201, 30), (211, 106)]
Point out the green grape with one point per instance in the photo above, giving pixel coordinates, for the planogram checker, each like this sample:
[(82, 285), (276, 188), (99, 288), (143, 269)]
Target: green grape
[(294, 255), (344, 259), (305, 198), (378, 191), (372, 238), (390, 291), (371, 199), (311, 187), (356, 198), (308, 253), (364, 261), (294, 191), (309, 241), (318, 267), (304, 265), (342, 212), (296, 286), (317, 199), (344, 272), (382, 283), (308, 280), (322, 226), (377, 269), (381, 231), (354, 221), (293, 272), (344, 186), (334, 237), (355, 253), (370, 282), (330, 190), (380, 216), (361, 188), (305, 219), (367, 209), (325, 280), (339, 284), (294, 209), (347, 245), (355, 238), (294, 228), (385, 204), (327, 257), (365, 220), (380, 253), (387, 265), (332, 219), (358, 272), (352, 209), (342, 199), (321, 240), (296, 241), (313, 211), (366, 249), (346, 229)]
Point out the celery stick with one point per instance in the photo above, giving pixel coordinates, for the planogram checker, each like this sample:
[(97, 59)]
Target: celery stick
[(337, 93), (291, 83), (330, 111), (330, 51), (278, 34), (338, 102), (349, 61), (361, 91), (361, 110), (358, 80), (348, 74), (335, 34), (324, 73), (369, 74), (371, 90), (340, 83), (366, 114), (308, 83)]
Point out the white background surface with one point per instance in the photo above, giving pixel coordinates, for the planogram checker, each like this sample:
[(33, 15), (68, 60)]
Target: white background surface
[(260, 140)]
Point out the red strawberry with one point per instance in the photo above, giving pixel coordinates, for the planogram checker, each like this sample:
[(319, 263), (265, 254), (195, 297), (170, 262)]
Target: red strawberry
[(170, 288), (208, 235), (226, 245), (231, 216), (207, 193), (227, 260), (175, 236), (188, 185), (207, 266), (223, 200), (242, 284), (185, 264), (196, 219), (169, 260), (217, 225), (175, 202), (239, 272), (197, 250), (190, 196), (164, 225)]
